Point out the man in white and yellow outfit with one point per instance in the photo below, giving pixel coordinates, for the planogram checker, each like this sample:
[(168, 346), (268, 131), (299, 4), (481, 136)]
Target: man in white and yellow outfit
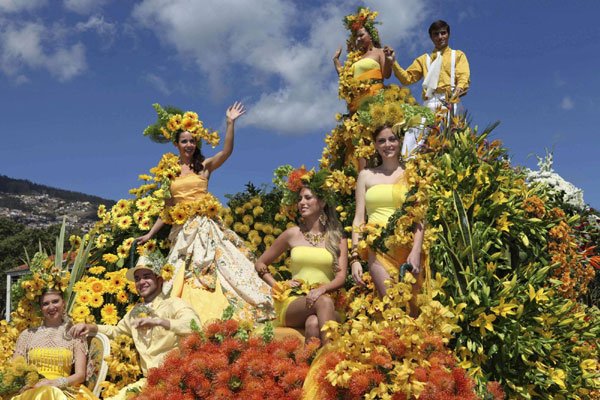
[(445, 73), (156, 331)]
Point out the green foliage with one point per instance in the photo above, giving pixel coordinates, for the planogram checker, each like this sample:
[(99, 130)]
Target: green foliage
[(494, 268)]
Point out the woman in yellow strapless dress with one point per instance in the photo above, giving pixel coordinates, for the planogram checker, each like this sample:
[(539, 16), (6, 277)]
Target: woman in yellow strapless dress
[(61, 359), (319, 259), (213, 266), (379, 192), (372, 68)]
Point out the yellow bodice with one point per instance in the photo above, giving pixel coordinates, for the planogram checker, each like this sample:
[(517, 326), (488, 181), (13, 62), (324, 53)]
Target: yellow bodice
[(51, 362), (382, 200), (312, 264), (363, 65), (188, 188)]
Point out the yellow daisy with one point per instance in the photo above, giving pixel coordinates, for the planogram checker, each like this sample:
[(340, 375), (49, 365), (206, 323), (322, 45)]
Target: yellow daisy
[(124, 222), (97, 300)]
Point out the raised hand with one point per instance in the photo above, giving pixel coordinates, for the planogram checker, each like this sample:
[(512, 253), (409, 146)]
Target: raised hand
[(337, 54), (235, 111), (390, 54)]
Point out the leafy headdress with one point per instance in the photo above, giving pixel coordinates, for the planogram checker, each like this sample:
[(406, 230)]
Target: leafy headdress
[(291, 181), (172, 120), (364, 18)]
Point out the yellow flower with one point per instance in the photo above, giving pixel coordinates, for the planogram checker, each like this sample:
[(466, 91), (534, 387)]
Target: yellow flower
[(189, 124), (122, 297), (101, 210), (167, 272), (97, 300), (97, 287), (537, 296), (257, 211), (558, 376), (502, 223), (83, 298), (484, 322), (110, 258), (31, 378), (109, 314), (102, 241), (123, 252), (97, 270), (503, 309), (80, 313), (143, 204), (247, 220), (124, 222)]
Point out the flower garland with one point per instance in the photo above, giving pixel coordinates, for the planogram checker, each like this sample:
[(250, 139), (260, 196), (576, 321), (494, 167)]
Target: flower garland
[(399, 230), (123, 366), (178, 214), (282, 291)]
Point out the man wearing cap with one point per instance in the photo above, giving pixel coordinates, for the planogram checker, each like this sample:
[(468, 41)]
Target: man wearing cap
[(155, 327), (445, 73)]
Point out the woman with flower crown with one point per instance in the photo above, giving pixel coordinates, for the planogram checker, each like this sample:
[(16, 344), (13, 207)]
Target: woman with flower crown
[(319, 258), (369, 65), (61, 359), (380, 192), (213, 267)]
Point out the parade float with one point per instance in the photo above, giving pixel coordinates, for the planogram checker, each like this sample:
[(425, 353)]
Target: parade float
[(508, 309)]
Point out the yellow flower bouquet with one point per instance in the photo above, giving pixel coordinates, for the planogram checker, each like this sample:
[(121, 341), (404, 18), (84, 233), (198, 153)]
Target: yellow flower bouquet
[(18, 375)]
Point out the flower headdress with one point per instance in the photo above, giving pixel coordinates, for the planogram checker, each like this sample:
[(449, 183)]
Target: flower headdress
[(172, 120), (155, 261), (48, 273), (291, 181), (364, 18)]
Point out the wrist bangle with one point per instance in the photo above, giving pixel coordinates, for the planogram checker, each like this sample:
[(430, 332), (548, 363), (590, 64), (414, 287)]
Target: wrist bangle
[(262, 272), (62, 382)]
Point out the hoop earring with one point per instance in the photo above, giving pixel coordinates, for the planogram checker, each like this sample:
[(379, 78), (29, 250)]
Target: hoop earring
[(323, 219)]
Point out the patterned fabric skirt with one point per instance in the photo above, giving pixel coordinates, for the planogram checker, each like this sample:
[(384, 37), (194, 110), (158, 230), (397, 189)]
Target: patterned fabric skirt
[(215, 269)]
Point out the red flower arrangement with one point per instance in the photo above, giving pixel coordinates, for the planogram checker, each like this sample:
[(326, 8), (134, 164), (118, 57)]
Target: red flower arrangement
[(294, 182), (440, 375), (223, 362)]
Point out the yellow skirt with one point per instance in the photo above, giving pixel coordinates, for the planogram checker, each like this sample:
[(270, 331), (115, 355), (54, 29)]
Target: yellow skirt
[(54, 393)]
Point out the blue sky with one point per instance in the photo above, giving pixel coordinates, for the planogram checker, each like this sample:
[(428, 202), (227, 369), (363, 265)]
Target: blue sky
[(78, 77)]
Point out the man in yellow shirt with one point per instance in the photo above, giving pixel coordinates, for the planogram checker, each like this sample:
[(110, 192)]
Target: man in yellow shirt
[(156, 327), (445, 73)]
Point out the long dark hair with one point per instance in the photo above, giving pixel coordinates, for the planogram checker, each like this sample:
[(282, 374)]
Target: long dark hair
[(197, 157)]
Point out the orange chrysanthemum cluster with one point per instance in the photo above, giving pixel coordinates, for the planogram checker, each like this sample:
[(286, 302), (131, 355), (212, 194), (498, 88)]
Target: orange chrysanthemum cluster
[(534, 206), (572, 271), (221, 363)]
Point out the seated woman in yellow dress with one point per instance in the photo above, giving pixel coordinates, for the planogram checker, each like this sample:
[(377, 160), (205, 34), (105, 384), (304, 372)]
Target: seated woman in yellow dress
[(213, 266), (379, 192), (372, 67), (319, 258), (58, 357)]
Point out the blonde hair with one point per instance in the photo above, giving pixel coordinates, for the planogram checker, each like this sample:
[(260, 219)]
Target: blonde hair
[(333, 230)]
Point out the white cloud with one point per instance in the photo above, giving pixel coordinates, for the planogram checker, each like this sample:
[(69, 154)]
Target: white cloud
[(276, 42), (157, 82), (106, 30), (36, 46), (21, 5), (567, 103), (83, 7)]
